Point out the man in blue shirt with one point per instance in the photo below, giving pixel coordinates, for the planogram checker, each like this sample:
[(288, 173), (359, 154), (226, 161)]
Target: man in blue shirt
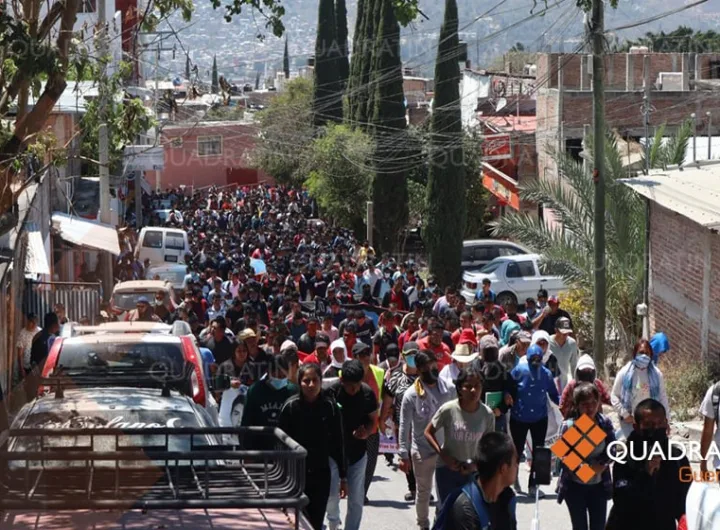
[(529, 412), (485, 293)]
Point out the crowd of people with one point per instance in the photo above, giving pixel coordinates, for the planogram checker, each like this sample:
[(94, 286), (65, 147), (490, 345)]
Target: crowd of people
[(343, 348)]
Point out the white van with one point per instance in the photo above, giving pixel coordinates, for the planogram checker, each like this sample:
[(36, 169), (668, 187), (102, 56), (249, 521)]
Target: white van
[(162, 245)]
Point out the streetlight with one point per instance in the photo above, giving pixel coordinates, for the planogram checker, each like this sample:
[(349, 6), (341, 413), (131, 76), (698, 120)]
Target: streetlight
[(709, 117)]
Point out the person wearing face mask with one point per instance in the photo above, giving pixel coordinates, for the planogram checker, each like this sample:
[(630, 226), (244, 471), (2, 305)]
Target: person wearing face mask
[(393, 391), (266, 397), (420, 403), (638, 380), (584, 373), (530, 408), (649, 493), (587, 500)]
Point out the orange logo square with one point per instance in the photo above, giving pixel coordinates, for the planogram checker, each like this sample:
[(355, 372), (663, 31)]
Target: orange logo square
[(576, 444)]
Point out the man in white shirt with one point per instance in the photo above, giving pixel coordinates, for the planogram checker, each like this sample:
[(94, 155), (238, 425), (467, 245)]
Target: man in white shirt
[(710, 432), (565, 350)]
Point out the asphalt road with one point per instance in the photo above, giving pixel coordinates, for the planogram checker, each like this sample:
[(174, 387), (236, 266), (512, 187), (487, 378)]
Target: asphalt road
[(389, 511)]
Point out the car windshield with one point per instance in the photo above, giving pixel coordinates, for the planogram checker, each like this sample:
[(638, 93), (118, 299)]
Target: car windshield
[(91, 418), (128, 300), (153, 239), (166, 356), (174, 277), (492, 266)]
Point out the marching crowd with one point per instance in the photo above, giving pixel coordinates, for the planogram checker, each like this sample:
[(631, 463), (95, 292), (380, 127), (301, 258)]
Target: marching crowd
[(348, 351)]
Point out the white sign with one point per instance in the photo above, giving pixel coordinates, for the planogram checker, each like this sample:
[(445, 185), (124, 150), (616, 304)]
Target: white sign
[(144, 158)]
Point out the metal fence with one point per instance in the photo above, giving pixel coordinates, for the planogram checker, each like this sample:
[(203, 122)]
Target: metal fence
[(80, 299)]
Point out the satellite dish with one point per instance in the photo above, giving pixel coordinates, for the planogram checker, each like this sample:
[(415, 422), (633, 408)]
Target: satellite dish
[(501, 104)]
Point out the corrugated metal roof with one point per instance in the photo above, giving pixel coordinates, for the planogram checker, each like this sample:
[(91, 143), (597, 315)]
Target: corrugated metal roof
[(693, 192)]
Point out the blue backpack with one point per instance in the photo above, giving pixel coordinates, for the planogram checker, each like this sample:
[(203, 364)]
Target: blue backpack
[(473, 492)]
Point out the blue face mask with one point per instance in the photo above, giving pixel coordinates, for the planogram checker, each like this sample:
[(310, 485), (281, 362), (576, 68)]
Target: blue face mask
[(278, 384), (641, 361), (410, 361)]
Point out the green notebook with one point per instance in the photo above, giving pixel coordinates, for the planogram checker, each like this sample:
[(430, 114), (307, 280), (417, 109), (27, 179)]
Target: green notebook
[(493, 399)]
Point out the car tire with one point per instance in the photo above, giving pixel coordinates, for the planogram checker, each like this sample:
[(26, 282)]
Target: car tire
[(505, 297)]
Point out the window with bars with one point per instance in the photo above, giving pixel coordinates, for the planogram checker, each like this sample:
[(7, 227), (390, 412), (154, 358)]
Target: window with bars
[(209, 145)]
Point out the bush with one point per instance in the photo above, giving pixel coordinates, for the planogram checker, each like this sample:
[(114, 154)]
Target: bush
[(578, 302), (686, 383)]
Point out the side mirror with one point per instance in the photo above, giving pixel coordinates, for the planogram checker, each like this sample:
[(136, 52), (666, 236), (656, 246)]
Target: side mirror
[(221, 382)]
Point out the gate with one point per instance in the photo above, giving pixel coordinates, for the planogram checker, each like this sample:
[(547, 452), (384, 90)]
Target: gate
[(80, 299)]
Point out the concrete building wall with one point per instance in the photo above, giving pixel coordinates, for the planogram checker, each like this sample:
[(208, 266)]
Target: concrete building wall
[(680, 252), (185, 166)]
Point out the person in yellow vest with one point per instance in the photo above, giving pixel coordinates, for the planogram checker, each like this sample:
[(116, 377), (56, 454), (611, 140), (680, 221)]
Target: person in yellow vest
[(374, 377)]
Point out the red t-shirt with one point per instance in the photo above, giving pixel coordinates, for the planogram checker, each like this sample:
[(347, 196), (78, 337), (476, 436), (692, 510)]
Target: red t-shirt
[(397, 298), (442, 352)]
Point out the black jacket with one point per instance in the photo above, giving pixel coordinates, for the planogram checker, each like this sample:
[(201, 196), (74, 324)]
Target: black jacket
[(497, 379), (644, 501), (318, 428)]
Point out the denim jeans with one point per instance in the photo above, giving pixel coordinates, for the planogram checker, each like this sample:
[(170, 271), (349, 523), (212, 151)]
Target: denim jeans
[(355, 497), (447, 481), (585, 502)]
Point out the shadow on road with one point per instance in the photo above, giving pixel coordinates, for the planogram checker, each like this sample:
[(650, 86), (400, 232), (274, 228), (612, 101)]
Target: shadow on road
[(398, 505)]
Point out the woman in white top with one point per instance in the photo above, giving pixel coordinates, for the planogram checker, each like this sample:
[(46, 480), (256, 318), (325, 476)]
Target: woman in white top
[(638, 380), (462, 357)]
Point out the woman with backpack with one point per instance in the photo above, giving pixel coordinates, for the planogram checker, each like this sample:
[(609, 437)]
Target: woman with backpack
[(587, 500)]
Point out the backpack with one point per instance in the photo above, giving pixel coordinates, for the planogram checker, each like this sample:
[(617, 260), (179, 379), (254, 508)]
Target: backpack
[(473, 492)]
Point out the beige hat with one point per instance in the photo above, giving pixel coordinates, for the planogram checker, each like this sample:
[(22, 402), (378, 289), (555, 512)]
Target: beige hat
[(463, 354), (247, 333)]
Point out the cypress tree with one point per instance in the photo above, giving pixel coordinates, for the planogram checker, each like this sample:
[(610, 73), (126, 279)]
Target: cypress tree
[(370, 75), (342, 42), (286, 61), (215, 86), (187, 67), (358, 56), (257, 81), (327, 96), (388, 126), (445, 220)]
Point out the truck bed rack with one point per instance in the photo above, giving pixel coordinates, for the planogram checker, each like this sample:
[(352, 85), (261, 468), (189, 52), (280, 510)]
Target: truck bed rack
[(39, 470)]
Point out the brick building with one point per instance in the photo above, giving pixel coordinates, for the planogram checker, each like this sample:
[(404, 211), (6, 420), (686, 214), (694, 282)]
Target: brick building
[(564, 96), (685, 257)]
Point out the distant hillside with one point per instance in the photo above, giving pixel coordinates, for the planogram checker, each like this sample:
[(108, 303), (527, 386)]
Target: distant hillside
[(241, 54)]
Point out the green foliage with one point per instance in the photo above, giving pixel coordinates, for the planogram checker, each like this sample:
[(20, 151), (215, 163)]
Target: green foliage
[(339, 178), (225, 113), (446, 213), (286, 131), (327, 95), (569, 248), (666, 152), (215, 84), (683, 40), (342, 43), (126, 119), (686, 381), (388, 126)]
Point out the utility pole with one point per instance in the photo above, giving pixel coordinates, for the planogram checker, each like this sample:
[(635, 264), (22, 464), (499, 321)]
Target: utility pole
[(597, 30), (647, 109), (370, 221), (693, 117), (104, 149)]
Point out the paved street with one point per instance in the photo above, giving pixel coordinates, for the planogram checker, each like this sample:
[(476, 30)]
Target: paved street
[(388, 510)]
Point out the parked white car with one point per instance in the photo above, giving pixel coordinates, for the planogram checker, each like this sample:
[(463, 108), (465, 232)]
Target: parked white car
[(477, 253), (513, 278)]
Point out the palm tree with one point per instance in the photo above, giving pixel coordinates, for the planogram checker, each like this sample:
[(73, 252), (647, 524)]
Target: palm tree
[(568, 247), (663, 153)]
